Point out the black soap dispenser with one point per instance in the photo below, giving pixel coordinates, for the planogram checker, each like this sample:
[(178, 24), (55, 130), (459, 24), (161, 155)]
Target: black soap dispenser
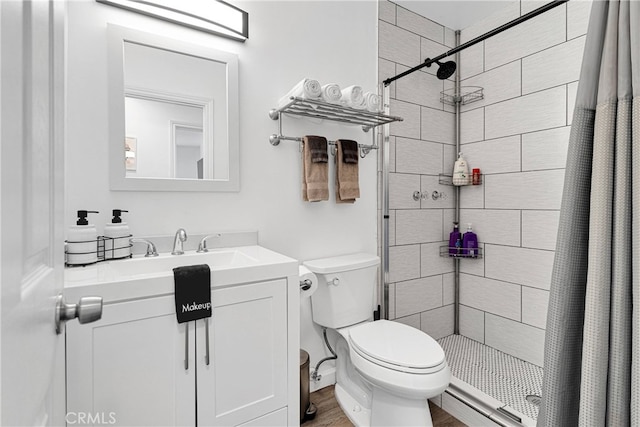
[(82, 241), (116, 233)]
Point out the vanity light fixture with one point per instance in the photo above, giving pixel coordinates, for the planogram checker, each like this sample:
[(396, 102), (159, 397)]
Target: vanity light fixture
[(213, 16)]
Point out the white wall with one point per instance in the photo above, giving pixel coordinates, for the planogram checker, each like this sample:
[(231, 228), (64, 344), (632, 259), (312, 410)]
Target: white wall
[(328, 41)]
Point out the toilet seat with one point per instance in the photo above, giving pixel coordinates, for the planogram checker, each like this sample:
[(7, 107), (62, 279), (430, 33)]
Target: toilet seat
[(397, 346)]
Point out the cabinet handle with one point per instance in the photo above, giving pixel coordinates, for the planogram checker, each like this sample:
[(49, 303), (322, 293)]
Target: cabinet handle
[(186, 347), (206, 332)]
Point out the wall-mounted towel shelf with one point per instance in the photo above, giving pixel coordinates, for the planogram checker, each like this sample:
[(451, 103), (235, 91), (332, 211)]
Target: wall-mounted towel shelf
[(334, 112)]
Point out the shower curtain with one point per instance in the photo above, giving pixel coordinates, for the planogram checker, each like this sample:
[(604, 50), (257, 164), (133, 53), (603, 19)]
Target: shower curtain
[(592, 347)]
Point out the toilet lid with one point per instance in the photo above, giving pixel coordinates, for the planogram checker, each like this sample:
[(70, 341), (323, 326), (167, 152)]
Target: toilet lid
[(397, 344)]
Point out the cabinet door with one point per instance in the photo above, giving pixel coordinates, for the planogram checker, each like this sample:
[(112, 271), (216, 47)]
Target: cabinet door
[(129, 367), (247, 374)]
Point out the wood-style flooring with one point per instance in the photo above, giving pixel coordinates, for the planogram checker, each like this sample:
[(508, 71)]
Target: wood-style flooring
[(330, 414)]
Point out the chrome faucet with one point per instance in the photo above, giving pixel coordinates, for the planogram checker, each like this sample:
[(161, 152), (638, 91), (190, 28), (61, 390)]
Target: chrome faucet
[(202, 246), (151, 248), (181, 236)]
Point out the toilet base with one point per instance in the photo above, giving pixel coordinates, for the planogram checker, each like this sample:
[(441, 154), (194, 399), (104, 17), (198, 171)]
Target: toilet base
[(387, 410), (357, 414), (391, 410)]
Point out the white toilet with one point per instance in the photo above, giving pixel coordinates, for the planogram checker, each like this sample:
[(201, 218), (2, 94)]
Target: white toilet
[(385, 371)]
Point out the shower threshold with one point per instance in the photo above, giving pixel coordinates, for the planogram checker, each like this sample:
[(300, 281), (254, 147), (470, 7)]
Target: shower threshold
[(489, 387)]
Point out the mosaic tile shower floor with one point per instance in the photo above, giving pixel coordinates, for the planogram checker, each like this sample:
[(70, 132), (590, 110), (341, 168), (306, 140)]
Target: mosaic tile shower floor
[(493, 372)]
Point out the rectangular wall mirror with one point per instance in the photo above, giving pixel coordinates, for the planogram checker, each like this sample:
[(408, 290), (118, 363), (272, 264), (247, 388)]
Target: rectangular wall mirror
[(173, 123)]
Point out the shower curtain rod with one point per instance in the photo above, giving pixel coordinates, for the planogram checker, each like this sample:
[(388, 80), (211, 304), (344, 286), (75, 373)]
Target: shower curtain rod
[(427, 62)]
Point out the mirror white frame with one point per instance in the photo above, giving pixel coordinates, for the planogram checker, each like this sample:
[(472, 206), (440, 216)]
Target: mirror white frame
[(117, 36)]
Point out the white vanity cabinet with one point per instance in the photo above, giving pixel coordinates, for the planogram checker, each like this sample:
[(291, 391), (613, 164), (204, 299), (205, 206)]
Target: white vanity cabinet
[(137, 366)]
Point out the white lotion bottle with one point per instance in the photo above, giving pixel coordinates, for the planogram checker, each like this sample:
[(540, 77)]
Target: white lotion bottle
[(460, 171), (116, 233), (82, 241)]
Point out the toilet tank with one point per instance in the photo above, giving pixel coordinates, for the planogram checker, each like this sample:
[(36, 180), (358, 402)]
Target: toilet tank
[(346, 285)]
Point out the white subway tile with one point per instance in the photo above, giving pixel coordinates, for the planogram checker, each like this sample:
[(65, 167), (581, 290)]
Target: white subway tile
[(387, 11), (539, 74), (431, 263), (474, 266), (534, 307), (398, 45), (387, 69), (420, 25), (450, 157), (530, 267), (438, 323), (500, 155), (448, 288), (545, 149), (472, 197), (415, 296), (489, 295), (471, 61), (499, 84), (517, 339), (419, 88), (578, 17), (404, 263), (410, 126), (418, 226), (413, 320), (437, 126), (501, 227), (572, 90), (415, 156), (531, 36), (449, 88), (509, 12), (472, 323), (540, 229), (529, 113), (429, 184), (525, 190), (472, 126), (392, 153), (392, 227), (401, 188), (449, 37), (527, 6)]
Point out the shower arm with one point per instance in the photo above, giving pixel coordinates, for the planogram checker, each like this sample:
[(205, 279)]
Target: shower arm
[(427, 62)]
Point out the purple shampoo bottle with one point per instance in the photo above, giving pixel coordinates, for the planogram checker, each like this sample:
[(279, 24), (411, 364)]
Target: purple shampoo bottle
[(455, 241), (470, 243)]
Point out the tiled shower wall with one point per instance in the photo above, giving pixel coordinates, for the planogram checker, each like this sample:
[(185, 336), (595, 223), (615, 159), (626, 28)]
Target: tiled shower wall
[(517, 136), (421, 147)]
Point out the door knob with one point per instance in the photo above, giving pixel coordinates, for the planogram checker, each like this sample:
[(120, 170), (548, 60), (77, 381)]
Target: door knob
[(88, 309)]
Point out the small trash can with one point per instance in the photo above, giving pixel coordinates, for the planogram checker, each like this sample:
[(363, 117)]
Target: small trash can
[(307, 409)]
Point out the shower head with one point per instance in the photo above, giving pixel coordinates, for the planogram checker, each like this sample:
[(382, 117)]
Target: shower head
[(446, 69)]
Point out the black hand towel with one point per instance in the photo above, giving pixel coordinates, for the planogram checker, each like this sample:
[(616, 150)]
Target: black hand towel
[(318, 148), (192, 289), (349, 151)]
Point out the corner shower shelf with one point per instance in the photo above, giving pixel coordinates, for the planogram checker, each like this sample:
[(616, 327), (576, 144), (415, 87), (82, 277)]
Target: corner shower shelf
[(468, 94), (322, 110), (444, 252), (444, 179)]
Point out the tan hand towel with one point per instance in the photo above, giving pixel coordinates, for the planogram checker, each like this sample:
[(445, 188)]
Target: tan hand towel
[(315, 175), (347, 186)]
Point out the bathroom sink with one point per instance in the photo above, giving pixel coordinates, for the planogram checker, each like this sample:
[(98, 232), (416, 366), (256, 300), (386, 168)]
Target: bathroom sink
[(165, 263)]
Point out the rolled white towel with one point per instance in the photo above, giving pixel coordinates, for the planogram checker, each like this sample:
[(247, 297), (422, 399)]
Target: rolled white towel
[(306, 88), (331, 93), (353, 97), (373, 102)]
